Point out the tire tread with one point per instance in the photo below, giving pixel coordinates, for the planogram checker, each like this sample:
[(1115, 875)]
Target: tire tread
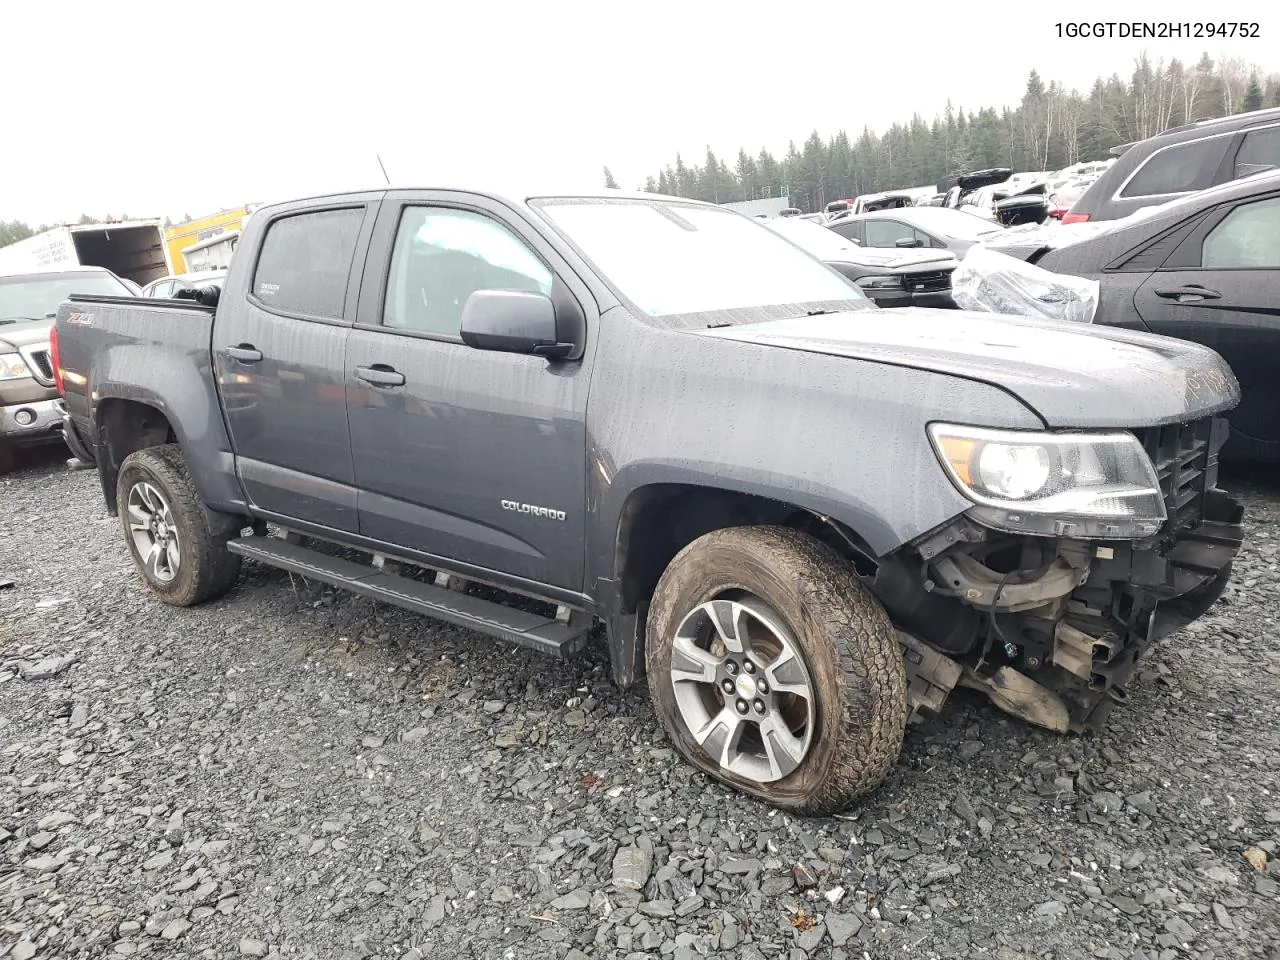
[(870, 675), (216, 568)]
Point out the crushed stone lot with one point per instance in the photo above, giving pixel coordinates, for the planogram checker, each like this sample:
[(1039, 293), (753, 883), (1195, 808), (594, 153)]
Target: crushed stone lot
[(289, 771)]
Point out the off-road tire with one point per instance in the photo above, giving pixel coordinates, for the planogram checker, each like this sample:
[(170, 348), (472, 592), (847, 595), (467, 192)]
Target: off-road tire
[(207, 569), (8, 458), (853, 658)]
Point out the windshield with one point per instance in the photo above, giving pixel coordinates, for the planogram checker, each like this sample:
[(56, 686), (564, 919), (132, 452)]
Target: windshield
[(954, 223), (672, 258), (37, 297)]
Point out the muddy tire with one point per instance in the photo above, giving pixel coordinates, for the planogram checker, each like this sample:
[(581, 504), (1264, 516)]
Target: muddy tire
[(802, 622), (166, 529)]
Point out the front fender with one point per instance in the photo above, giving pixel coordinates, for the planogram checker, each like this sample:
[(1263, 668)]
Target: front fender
[(841, 437)]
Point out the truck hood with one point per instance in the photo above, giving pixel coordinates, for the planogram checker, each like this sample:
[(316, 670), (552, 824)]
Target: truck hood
[(1071, 375), (15, 335)]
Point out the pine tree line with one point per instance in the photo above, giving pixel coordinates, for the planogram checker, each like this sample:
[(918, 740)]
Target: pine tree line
[(1049, 129)]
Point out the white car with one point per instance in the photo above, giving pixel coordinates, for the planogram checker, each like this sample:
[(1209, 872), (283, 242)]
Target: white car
[(166, 287)]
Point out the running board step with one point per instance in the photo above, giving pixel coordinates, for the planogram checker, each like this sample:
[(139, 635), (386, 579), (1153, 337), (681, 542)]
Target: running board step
[(520, 627)]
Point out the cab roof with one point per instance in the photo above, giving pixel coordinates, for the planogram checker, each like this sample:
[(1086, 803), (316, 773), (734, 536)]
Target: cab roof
[(517, 194)]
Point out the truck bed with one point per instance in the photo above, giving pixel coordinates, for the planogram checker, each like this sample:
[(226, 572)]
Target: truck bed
[(125, 356)]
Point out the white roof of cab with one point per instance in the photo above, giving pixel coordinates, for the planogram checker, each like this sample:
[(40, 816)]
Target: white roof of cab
[(520, 193)]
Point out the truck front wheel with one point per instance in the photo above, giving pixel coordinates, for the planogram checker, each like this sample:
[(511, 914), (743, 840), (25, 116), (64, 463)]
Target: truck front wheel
[(167, 530), (774, 670)]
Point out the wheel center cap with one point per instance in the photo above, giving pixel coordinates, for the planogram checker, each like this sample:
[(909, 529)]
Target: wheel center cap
[(746, 687)]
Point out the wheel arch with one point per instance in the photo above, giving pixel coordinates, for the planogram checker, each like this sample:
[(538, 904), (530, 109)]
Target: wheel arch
[(658, 520), (125, 426)]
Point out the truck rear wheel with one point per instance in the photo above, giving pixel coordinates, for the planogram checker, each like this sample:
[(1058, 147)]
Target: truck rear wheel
[(8, 460), (774, 670), (167, 529)]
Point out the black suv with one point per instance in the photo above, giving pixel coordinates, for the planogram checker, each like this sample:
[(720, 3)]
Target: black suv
[(1181, 161)]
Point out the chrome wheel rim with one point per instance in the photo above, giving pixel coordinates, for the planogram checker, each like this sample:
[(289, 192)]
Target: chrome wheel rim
[(155, 535), (742, 687)]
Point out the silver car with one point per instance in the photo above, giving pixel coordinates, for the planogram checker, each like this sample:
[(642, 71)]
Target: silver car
[(166, 287)]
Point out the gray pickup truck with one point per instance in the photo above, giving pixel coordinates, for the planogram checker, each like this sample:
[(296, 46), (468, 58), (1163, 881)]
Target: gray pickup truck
[(801, 516)]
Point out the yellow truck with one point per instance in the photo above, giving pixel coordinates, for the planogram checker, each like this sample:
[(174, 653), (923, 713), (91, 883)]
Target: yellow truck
[(181, 237)]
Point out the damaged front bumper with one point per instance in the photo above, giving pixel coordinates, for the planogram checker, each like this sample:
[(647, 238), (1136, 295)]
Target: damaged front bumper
[(1052, 629)]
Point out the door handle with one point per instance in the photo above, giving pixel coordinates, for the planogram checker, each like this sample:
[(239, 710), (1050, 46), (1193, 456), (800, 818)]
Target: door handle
[(380, 375), (1191, 290), (245, 353)]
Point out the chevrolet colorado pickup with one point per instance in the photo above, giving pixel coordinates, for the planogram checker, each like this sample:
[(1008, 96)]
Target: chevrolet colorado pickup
[(801, 518)]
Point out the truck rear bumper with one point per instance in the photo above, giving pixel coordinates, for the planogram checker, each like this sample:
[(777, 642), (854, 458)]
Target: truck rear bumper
[(24, 424)]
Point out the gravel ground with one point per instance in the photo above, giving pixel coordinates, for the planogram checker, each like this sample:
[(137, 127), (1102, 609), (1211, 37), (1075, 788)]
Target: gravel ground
[(292, 772)]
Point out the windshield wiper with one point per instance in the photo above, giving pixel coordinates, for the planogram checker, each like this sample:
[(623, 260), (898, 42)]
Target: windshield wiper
[(818, 313)]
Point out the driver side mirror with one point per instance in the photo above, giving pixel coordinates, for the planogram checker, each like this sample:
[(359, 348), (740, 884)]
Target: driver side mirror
[(908, 242), (512, 321)]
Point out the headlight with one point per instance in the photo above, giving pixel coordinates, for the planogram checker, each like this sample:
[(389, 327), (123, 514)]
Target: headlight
[(13, 367), (879, 283), (1088, 485)]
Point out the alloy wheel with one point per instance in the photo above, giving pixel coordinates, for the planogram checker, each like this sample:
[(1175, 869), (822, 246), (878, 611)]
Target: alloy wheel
[(155, 535), (742, 687)]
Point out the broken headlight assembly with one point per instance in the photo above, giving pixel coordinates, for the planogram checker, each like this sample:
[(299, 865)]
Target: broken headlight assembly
[(1085, 485)]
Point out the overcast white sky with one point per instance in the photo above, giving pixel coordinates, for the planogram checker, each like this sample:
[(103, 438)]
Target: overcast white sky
[(140, 108)]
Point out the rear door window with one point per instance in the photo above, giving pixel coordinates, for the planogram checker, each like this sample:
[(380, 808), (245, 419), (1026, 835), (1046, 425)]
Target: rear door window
[(887, 233), (1260, 151), (1247, 237), (849, 229), (305, 262), (1177, 169)]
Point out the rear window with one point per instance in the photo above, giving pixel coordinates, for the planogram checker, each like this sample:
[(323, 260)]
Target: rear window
[(1177, 169), (305, 262), (1260, 151)]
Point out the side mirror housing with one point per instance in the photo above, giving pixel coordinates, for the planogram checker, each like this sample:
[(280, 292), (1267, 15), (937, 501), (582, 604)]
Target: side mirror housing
[(908, 242), (512, 321)]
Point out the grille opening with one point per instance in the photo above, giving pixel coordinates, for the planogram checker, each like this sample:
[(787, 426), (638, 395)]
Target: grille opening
[(929, 280), (1186, 462), (41, 359)]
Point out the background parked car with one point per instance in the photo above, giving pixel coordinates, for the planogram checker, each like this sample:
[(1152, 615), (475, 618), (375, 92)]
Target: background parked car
[(1180, 161), (965, 192), (902, 277), (1204, 268), (29, 407), (167, 286), (932, 227)]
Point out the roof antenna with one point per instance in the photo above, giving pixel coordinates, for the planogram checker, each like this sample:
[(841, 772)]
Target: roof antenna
[(384, 170)]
